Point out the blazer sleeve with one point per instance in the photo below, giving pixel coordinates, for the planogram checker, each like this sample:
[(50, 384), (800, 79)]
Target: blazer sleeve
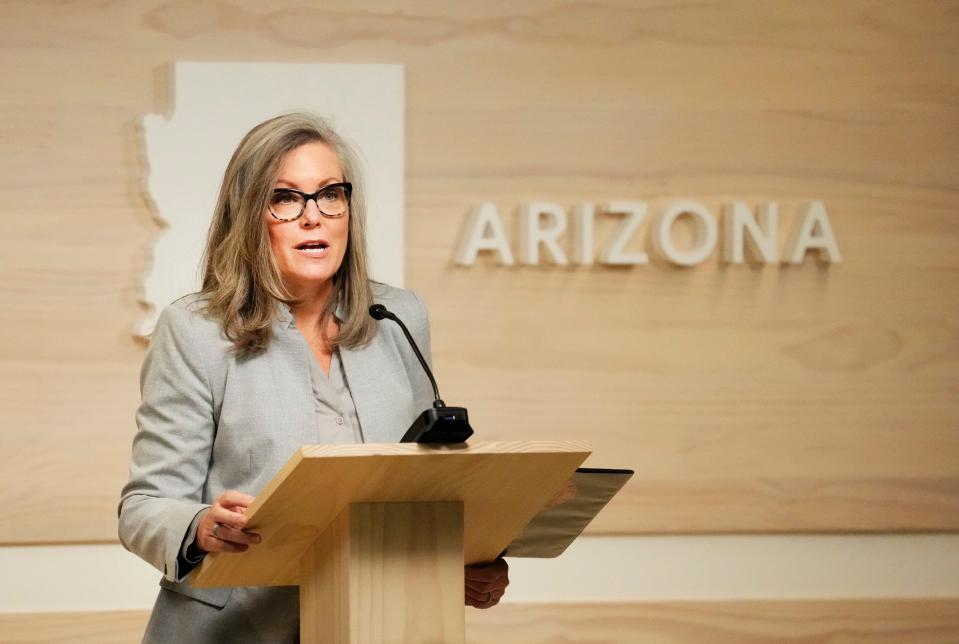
[(172, 447), (421, 331), (415, 314)]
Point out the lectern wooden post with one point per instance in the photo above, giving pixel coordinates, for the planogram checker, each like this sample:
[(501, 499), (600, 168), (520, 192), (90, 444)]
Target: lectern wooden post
[(386, 570), (376, 536)]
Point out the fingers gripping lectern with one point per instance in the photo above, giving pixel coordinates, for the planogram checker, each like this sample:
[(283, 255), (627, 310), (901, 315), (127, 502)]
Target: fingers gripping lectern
[(376, 536)]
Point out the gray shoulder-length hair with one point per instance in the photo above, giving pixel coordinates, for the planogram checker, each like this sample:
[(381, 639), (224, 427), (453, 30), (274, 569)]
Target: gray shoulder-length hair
[(241, 280)]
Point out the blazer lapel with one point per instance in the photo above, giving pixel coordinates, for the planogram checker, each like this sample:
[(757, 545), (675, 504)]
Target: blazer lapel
[(289, 357), (381, 391)]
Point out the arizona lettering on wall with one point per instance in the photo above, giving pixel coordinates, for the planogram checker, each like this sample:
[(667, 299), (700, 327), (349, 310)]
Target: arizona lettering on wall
[(744, 236)]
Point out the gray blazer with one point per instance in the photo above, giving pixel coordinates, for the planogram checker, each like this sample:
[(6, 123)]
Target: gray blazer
[(210, 421)]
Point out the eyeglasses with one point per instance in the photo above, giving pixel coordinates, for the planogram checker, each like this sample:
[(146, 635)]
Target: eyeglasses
[(332, 201)]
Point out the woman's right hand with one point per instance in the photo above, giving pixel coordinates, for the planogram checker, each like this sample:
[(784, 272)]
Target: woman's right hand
[(221, 527)]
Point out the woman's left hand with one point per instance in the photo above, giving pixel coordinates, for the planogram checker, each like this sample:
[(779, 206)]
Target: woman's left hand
[(486, 583)]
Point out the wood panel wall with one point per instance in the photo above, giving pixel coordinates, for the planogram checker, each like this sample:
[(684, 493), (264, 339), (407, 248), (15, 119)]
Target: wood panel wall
[(806, 398), (836, 622)]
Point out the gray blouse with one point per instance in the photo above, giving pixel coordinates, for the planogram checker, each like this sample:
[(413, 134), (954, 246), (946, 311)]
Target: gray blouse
[(336, 419)]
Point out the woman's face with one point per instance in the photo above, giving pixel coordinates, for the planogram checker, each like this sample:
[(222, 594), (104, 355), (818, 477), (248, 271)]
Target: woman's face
[(309, 250)]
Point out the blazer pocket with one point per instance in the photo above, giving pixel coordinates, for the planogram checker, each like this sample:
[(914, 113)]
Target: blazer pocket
[(216, 597)]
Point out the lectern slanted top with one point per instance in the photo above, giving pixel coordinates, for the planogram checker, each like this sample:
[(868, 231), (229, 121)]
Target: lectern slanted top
[(501, 485)]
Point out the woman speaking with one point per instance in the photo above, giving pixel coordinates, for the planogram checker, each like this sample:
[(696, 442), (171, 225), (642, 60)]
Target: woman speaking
[(275, 352)]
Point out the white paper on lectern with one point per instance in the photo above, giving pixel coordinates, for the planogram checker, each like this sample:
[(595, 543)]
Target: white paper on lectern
[(215, 104)]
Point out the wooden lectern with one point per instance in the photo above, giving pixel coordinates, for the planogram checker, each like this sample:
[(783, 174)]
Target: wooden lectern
[(376, 536)]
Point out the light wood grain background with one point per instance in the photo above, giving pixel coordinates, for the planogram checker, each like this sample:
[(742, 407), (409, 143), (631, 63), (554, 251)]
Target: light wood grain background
[(744, 622), (747, 399)]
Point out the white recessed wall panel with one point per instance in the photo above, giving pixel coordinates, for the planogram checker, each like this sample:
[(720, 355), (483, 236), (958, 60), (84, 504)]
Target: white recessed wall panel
[(215, 104)]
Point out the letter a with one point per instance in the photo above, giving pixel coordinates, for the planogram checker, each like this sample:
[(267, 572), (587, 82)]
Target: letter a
[(483, 230), (812, 232)]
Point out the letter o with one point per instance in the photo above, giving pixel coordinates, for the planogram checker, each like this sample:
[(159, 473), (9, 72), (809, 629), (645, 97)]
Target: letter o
[(705, 239)]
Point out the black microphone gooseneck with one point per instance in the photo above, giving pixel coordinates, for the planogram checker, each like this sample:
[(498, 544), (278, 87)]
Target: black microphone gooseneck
[(380, 312), (439, 424)]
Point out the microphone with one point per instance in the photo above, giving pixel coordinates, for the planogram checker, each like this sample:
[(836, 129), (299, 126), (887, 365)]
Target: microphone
[(438, 424)]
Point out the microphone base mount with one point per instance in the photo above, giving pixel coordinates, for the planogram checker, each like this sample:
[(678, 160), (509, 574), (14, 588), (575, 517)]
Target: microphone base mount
[(440, 425)]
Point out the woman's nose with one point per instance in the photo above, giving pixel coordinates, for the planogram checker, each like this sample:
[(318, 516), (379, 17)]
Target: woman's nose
[(311, 214)]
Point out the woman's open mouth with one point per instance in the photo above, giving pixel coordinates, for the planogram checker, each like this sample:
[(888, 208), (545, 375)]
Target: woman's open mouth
[(313, 248)]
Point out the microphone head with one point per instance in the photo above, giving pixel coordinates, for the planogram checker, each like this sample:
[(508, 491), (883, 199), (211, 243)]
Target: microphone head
[(378, 312)]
